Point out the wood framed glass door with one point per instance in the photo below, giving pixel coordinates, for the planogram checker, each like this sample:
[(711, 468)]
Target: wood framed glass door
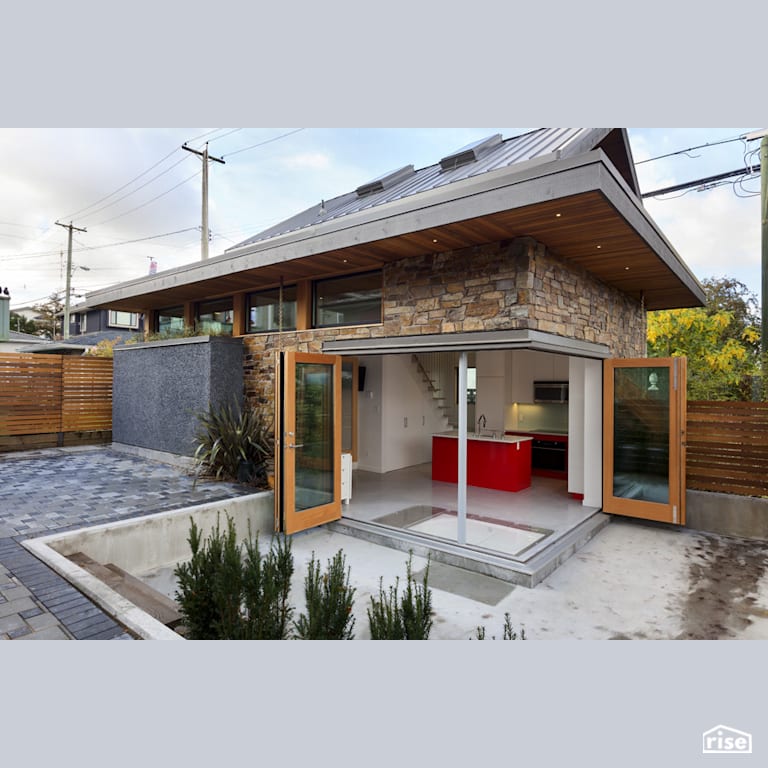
[(308, 449), (644, 419)]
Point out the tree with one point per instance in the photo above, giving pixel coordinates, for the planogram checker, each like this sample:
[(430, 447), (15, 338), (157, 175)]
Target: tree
[(721, 341), (21, 324), (49, 310)]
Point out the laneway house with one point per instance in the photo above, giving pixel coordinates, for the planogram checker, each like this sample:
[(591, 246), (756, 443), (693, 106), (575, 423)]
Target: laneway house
[(460, 333)]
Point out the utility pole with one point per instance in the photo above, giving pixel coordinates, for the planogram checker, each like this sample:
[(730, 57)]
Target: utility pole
[(764, 231), (205, 158), (70, 227), (763, 136)]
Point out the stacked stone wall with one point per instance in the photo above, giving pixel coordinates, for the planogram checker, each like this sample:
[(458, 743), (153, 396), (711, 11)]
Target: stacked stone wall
[(509, 285)]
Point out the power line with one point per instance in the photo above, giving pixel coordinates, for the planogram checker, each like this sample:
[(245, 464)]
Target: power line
[(144, 173), (120, 189), (143, 205), (262, 143), (134, 191), (216, 138), (691, 149), (701, 182), (106, 245)]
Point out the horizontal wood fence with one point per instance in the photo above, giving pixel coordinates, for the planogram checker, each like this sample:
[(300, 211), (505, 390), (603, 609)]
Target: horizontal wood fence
[(48, 400), (728, 447)]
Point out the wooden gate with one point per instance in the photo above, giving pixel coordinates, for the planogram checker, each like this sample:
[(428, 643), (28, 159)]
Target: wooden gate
[(48, 400)]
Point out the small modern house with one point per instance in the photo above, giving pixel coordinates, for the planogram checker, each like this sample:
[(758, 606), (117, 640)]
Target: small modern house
[(457, 353)]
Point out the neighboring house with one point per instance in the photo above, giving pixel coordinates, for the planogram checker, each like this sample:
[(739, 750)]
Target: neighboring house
[(508, 264), (88, 326), (10, 340), (29, 312), (19, 342)]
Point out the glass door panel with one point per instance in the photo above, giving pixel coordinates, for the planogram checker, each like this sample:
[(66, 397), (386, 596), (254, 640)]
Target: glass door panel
[(641, 433), (644, 438), (314, 445), (310, 447)]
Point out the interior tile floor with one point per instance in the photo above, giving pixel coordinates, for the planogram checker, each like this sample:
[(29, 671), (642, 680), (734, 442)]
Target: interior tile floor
[(517, 524)]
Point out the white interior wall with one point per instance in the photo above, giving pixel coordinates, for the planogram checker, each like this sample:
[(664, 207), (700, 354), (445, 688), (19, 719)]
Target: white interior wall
[(576, 425), (369, 416), (491, 390), (397, 415), (593, 433), (409, 415), (585, 430)]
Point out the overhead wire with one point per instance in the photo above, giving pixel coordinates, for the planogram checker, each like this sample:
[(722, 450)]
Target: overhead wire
[(105, 245), (149, 202), (144, 173), (134, 191), (120, 189), (691, 149), (262, 143)]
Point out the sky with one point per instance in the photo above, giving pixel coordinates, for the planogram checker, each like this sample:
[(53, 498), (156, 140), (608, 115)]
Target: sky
[(137, 194)]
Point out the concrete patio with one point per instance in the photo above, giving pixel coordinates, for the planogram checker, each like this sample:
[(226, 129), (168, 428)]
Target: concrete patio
[(631, 581)]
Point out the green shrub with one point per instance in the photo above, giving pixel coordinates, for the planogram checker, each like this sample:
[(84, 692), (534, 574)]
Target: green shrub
[(509, 632), (409, 617), (199, 589), (232, 442), (266, 590), (226, 594), (329, 601)]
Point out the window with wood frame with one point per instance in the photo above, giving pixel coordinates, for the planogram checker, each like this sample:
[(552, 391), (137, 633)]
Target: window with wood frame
[(347, 300), (264, 310)]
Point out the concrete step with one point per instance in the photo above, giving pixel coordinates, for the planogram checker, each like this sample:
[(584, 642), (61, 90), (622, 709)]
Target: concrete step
[(140, 594), (539, 563)]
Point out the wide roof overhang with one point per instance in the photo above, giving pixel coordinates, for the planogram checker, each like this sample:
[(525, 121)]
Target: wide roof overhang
[(580, 208)]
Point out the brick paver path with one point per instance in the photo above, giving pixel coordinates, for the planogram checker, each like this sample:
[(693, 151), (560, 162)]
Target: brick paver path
[(63, 489)]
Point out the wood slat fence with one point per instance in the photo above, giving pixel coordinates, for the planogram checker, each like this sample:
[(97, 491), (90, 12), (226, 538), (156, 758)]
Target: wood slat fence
[(728, 447), (48, 400)]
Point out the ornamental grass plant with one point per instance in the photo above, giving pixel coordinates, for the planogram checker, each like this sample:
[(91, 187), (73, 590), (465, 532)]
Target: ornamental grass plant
[(234, 444)]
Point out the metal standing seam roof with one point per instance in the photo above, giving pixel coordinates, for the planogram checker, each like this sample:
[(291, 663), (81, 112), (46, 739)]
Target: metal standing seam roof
[(527, 146)]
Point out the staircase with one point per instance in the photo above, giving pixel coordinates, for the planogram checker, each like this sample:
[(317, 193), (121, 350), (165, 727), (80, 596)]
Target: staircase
[(434, 368)]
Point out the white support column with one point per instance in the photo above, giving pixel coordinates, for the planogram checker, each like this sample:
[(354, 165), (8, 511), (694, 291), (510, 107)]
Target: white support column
[(593, 433), (461, 530)]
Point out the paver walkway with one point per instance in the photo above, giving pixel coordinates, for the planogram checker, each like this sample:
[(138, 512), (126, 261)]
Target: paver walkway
[(63, 489)]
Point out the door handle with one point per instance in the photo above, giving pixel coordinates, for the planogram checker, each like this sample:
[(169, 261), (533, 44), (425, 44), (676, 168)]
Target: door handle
[(291, 445)]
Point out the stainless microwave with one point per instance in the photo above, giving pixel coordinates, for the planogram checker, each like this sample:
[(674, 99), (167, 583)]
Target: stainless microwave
[(550, 391)]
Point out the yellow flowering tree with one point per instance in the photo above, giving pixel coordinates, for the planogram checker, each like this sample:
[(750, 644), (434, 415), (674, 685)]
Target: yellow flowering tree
[(720, 367), (721, 341)]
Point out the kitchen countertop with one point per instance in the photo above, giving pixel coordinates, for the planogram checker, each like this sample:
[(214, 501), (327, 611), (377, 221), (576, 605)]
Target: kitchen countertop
[(485, 438), (563, 432)]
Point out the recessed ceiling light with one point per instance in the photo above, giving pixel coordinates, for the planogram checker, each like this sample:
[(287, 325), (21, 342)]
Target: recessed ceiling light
[(558, 215), (434, 239), (626, 268), (599, 246)]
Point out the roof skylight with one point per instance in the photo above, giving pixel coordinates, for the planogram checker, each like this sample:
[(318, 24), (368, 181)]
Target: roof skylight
[(385, 181), (470, 152)]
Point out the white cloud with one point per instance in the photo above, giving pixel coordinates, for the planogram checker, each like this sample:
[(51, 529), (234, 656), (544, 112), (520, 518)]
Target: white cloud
[(316, 161)]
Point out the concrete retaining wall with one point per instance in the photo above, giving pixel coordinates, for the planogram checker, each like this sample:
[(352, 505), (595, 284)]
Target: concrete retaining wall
[(160, 387), (727, 514), (145, 543)]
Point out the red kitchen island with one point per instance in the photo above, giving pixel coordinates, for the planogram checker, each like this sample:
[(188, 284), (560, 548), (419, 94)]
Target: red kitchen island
[(502, 463)]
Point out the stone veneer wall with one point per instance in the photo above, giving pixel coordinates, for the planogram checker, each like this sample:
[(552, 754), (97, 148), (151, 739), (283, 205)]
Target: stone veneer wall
[(514, 284)]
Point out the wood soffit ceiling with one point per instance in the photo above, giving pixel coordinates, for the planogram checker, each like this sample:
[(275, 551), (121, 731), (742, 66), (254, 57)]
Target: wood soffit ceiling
[(584, 228)]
